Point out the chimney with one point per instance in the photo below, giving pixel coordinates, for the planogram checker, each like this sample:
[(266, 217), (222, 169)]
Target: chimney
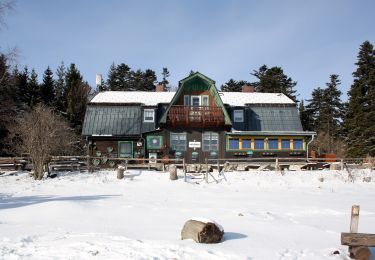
[(248, 89), (160, 88), (98, 79)]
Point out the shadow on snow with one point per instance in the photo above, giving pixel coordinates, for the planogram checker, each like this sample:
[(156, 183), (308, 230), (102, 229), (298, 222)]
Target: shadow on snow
[(9, 202)]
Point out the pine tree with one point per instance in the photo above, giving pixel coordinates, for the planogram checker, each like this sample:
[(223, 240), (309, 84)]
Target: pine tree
[(273, 80), (21, 79), (47, 87), (233, 85), (332, 111), (165, 75), (60, 89), (314, 108), (118, 77), (77, 96), (360, 116), (8, 103), (305, 117), (33, 90), (103, 86)]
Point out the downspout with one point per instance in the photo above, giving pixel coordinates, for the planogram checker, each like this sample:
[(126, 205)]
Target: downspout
[(307, 147)]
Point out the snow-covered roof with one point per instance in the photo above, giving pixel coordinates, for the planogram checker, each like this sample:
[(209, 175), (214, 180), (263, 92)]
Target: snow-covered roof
[(241, 98), (153, 98)]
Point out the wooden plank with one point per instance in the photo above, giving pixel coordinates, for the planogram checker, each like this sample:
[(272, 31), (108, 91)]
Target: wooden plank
[(358, 239), (354, 219)]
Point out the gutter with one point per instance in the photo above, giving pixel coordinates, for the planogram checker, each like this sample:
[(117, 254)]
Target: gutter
[(307, 146)]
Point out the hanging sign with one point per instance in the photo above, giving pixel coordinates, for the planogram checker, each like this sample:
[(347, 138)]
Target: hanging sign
[(194, 144)]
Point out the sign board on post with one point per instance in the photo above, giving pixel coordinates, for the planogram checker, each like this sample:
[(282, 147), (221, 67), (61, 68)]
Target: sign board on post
[(194, 144)]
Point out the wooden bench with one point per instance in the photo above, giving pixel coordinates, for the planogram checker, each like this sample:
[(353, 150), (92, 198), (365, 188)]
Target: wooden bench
[(358, 243)]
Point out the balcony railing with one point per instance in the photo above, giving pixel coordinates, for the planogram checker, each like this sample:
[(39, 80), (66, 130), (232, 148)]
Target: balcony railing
[(195, 116)]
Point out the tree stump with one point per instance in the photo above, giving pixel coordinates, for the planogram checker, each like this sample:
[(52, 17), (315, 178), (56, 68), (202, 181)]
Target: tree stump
[(202, 231), (173, 172), (120, 172), (360, 252)]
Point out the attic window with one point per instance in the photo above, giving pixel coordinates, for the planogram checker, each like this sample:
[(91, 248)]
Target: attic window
[(238, 116), (149, 115)]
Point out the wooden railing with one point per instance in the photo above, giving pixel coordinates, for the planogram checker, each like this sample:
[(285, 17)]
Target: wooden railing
[(195, 116)]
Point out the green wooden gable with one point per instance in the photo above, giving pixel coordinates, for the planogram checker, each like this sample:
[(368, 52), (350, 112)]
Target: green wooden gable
[(197, 82)]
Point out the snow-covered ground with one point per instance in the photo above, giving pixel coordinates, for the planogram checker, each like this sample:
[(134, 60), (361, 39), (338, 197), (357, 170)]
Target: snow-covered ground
[(265, 215)]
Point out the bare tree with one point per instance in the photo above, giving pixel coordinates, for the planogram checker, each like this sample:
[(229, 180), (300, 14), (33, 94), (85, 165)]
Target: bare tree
[(5, 6), (43, 133)]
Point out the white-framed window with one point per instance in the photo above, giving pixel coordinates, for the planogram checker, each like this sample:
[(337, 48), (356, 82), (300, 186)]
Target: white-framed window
[(205, 100), (186, 100), (149, 115), (238, 116), (195, 101), (210, 141)]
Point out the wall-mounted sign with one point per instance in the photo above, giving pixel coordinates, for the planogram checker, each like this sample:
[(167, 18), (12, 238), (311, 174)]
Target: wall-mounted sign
[(194, 144)]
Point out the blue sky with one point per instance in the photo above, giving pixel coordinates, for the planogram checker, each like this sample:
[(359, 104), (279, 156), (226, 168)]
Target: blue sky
[(222, 39)]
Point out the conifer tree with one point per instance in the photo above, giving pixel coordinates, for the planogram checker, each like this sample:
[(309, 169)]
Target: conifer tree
[(77, 96), (314, 108), (332, 111), (47, 87), (33, 90), (360, 116), (273, 80), (233, 85), (305, 117), (165, 75), (60, 89)]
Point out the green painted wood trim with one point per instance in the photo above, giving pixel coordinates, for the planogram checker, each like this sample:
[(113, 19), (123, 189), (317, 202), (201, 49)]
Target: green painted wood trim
[(118, 147), (149, 144), (213, 91)]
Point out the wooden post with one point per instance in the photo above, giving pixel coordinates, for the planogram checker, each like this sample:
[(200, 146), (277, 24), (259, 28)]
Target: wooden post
[(342, 164), (218, 166), (183, 168), (354, 219), (277, 166), (206, 170), (126, 165)]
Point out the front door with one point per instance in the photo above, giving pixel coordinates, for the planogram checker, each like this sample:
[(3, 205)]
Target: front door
[(194, 148)]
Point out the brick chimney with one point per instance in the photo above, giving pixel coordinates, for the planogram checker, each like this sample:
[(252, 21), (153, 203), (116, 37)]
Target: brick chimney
[(248, 89), (160, 88)]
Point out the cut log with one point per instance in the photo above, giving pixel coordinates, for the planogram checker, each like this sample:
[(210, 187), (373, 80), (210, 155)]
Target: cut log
[(173, 172), (358, 239), (202, 231), (120, 172), (360, 252)]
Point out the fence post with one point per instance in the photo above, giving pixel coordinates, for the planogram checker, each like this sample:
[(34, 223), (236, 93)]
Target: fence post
[(126, 164), (218, 166), (342, 164), (354, 219), (183, 168), (277, 166), (206, 170)]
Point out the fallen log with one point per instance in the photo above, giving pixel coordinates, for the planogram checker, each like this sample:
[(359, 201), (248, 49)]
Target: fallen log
[(202, 231)]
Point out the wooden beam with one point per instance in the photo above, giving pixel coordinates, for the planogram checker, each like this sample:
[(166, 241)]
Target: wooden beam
[(354, 219), (358, 239)]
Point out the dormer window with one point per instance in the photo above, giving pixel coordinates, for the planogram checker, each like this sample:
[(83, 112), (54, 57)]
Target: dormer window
[(149, 115), (238, 116), (186, 100)]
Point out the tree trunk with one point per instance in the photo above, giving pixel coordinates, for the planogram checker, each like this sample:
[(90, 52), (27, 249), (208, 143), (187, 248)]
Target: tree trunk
[(360, 252), (120, 172), (202, 232), (173, 172)]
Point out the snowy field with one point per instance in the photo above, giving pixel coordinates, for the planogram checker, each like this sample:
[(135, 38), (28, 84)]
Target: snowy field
[(265, 215)]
